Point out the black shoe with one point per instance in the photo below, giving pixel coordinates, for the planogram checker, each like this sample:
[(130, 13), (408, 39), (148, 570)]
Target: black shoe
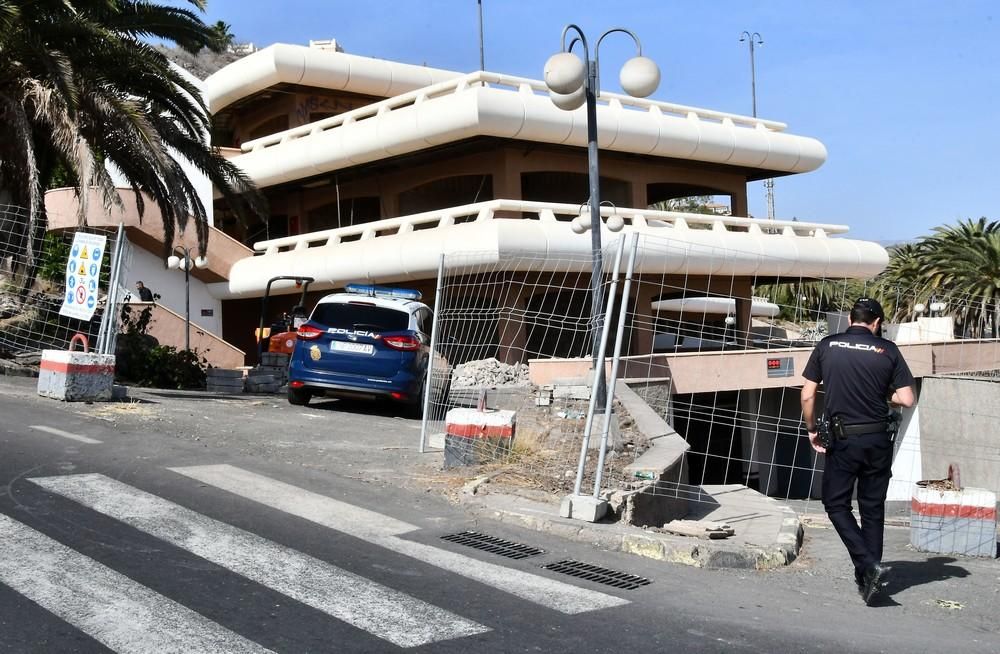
[(874, 580)]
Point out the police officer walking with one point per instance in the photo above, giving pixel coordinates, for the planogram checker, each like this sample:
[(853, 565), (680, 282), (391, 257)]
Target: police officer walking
[(860, 371)]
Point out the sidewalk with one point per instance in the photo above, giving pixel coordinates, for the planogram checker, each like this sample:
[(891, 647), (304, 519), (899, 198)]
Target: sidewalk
[(766, 535)]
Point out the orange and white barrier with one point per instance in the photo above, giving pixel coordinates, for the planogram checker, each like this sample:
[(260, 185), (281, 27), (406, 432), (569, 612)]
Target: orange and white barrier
[(75, 376)]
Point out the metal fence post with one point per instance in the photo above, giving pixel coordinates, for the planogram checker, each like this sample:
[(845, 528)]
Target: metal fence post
[(622, 313), (109, 320), (598, 372), (430, 361)]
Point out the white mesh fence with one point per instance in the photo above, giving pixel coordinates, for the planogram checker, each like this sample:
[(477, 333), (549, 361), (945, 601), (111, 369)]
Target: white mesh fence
[(31, 297), (717, 356)]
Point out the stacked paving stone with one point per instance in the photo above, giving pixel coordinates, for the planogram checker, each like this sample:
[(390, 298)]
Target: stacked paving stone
[(270, 375), (489, 373), (221, 380)]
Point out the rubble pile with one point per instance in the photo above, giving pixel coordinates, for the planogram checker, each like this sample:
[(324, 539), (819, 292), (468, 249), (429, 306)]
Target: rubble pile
[(489, 373)]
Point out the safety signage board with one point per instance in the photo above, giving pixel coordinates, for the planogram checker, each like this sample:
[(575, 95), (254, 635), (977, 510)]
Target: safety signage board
[(83, 271)]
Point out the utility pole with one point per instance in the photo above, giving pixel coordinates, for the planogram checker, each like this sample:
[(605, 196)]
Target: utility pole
[(753, 39), (482, 51)]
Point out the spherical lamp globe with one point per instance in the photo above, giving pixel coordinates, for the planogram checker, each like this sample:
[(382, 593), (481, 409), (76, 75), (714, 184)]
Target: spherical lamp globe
[(569, 101), (564, 73), (639, 77)]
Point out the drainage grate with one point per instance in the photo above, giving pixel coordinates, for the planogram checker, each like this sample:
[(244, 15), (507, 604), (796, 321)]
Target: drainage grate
[(597, 574), (493, 544)]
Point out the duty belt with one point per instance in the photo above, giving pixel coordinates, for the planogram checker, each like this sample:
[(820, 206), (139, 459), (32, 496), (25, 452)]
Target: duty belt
[(863, 428)]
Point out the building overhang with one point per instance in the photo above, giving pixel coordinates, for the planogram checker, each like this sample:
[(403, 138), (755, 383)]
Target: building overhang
[(490, 105), (410, 248), (310, 67)]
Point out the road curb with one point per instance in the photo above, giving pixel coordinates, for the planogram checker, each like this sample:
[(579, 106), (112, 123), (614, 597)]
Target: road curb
[(653, 545)]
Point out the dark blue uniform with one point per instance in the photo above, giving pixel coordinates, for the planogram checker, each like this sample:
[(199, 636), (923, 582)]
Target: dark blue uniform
[(859, 372)]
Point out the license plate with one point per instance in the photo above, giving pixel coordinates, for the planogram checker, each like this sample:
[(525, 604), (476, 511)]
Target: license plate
[(356, 348)]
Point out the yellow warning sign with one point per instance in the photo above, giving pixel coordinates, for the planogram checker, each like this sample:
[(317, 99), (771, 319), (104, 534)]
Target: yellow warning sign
[(84, 253), (83, 270)]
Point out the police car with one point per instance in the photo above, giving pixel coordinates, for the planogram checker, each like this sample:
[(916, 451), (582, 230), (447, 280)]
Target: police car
[(371, 342)]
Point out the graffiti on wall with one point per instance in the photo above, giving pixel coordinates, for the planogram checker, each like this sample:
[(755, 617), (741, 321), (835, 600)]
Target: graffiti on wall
[(313, 104)]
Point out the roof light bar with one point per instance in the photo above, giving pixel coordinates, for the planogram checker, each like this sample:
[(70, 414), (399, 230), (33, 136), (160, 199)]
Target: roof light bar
[(383, 291)]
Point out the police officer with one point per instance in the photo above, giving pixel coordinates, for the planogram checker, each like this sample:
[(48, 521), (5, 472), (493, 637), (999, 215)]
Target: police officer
[(860, 371)]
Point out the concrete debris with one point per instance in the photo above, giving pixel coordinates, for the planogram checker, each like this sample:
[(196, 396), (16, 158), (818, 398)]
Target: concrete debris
[(699, 529), (489, 373), (9, 306)]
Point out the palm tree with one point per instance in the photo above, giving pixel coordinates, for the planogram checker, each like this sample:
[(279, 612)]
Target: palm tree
[(961, 265), (900, 286), (223, 34), (80, 87)]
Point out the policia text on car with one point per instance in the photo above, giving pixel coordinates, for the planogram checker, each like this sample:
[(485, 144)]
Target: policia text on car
[(862, 375)]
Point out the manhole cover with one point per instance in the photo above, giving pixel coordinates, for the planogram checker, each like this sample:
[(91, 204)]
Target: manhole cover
[(493, 544), (598, 574)]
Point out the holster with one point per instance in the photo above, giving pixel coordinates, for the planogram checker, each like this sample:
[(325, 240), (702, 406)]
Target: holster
[(824, 431)]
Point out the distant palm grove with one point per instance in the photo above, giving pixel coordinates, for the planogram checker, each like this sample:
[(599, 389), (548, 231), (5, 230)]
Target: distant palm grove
[(956, 266)]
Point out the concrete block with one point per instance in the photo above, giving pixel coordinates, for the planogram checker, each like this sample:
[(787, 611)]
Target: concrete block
[(76, 376), (275, 359), (473, 437), (574, 392), (223, 373), (954, 521), (583, 507)]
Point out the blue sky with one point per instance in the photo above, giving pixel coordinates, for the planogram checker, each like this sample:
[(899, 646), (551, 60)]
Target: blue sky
[(904, 94)]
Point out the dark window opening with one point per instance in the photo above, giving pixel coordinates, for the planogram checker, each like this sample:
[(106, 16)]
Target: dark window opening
[(268, 127), (444, 193), (572, 188), (351, 211)]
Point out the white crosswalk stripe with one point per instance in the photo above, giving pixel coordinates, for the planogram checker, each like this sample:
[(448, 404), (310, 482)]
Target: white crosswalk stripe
[(114, 610), (383, 531), (66, 434), (388, 614)]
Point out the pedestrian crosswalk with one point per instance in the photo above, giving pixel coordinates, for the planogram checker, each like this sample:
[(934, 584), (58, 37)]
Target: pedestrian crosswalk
[(114, 610), (384, 531), (128, 617)]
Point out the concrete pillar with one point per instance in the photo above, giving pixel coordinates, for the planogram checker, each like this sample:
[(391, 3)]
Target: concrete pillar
[(390, 205), (641, 322), (507, 178), (511, 328), (742, 293), (739, 199), (639, 194)]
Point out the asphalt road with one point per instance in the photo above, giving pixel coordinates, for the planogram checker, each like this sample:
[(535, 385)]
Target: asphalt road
[(187, 523)]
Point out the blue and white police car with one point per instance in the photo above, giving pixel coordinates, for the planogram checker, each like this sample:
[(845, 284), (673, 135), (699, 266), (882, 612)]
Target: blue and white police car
[(369, 342)]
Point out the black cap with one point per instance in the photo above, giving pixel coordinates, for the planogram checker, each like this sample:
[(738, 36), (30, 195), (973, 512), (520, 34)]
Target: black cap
[(870, 305)]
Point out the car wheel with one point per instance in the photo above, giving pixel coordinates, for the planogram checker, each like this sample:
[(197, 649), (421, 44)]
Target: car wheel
[(299, 397)]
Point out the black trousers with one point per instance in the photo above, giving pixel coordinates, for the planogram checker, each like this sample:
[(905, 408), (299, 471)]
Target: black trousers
[(864, 461)]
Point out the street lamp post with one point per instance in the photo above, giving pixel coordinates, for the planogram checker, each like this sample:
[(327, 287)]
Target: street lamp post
[(754, 39), (185, 262), (573, 83)]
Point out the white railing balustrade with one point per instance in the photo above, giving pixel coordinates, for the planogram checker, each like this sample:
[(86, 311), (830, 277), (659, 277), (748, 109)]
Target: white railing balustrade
[(645, 220), (470, 82)]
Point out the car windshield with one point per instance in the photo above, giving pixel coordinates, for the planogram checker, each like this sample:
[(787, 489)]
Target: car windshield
[(361, 316)]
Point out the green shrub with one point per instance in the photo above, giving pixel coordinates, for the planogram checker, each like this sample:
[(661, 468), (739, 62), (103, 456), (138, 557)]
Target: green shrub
[(142, 361)]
